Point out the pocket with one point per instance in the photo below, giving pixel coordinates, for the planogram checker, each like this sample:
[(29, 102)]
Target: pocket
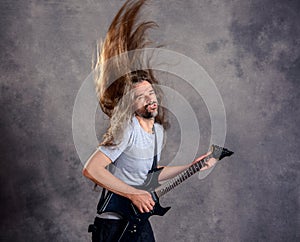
[(109, 230)]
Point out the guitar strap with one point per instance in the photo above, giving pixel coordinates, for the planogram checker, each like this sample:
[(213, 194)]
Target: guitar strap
[(154, 164), (104, 193)]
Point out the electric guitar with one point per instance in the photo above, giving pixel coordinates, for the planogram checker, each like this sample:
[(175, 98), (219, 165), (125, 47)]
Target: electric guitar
[(123, 206)]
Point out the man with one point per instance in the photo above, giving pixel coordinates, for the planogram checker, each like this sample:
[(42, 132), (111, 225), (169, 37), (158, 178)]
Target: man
[(132, 101), (131, 158)]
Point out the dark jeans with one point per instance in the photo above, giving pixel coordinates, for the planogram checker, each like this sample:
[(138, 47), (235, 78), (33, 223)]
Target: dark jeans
[(110, 230)]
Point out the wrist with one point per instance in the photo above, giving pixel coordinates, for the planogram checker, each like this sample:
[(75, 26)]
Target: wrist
[(131, 193)]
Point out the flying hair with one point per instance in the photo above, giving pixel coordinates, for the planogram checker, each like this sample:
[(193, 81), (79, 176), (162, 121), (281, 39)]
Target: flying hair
[(117, 68)]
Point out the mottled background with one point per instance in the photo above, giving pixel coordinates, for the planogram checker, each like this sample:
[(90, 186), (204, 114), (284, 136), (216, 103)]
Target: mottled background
[(251, 51)]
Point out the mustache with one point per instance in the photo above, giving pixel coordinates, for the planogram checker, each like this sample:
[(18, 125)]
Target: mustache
[(150, 103)]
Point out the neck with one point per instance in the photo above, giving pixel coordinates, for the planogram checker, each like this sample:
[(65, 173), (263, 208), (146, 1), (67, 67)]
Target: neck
[(146, 124)]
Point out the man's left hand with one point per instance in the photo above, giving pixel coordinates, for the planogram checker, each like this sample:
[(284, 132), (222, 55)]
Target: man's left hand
[(208, 164)]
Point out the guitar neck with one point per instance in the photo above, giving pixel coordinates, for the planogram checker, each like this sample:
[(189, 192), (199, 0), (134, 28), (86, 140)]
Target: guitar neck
[(174, 182)]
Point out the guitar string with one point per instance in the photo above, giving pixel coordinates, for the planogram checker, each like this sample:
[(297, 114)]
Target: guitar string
[(182, 176)]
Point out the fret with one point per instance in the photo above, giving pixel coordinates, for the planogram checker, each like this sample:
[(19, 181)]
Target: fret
[(158, 193), (181, 178), (200, 164), (168, 186), (173, 185), (194, 168), (185, 175), (175, 182), (188, 171)]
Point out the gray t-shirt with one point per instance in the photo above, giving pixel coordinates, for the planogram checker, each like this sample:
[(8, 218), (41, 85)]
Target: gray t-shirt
[(133, 157)]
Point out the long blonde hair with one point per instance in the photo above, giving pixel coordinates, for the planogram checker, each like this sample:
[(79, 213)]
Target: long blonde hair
[(116, 69)]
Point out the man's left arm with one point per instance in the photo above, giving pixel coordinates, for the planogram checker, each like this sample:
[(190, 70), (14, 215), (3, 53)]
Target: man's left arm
[(171, 171)]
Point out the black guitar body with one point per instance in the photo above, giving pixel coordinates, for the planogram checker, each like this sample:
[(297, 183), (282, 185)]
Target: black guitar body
[(123, 206)]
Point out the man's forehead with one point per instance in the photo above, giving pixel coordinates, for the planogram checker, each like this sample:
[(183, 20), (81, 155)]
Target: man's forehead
[(142, 87)]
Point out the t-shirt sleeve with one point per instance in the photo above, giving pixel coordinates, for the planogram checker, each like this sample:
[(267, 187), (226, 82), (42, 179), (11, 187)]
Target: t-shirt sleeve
[(113, 152)]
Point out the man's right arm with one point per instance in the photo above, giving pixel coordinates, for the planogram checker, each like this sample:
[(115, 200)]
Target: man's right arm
[(95, 170)]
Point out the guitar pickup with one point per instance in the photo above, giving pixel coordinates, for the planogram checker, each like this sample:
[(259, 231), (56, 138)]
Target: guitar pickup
[(154, 196)]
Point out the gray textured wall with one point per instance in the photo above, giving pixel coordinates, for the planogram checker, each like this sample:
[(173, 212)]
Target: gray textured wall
[(249, 48)]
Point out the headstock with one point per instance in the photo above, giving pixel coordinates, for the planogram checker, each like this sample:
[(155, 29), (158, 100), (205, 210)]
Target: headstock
[(220, 152)]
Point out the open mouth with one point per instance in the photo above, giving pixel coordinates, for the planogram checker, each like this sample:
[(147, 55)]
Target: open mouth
[(151, 106)]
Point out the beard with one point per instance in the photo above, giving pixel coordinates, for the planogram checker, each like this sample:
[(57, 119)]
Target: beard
[(146, 112)]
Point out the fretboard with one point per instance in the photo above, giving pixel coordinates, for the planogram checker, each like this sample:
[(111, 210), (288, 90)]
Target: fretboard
[(174, 182)]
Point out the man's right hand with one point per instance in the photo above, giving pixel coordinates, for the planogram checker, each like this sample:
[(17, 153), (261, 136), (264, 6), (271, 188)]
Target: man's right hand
[(95, 169), (142, 200)]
